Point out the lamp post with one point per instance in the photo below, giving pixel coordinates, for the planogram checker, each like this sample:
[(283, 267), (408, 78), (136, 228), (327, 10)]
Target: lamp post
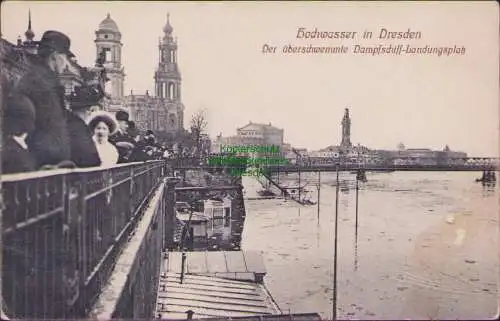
[(334, 303)]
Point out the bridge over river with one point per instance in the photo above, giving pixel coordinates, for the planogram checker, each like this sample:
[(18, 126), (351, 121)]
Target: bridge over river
[(63, 232), (469, 164)]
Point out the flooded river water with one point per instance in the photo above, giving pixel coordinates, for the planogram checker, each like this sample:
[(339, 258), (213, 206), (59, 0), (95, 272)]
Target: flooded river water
[(427, 246)]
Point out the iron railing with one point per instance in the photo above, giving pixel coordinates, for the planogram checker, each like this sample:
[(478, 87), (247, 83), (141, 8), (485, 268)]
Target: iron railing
[(137, 297), (61, 233)]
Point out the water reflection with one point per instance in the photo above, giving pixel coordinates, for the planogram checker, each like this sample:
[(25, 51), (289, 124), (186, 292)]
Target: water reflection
[(356, 247), (489, 187)]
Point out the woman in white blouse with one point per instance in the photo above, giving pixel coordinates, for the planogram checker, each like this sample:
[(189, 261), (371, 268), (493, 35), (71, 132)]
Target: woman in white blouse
[(104, 124)]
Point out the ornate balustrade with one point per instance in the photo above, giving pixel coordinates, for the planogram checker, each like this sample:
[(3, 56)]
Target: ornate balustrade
[(61, 233)]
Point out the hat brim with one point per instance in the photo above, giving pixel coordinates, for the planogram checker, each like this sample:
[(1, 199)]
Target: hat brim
[(106, 117), (126, 145), (66, 52)]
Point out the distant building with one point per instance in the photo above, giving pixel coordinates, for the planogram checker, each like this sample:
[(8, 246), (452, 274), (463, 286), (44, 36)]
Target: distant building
[(250, 135), (352, 153), (266, 133), (161, 111), (422, 156)]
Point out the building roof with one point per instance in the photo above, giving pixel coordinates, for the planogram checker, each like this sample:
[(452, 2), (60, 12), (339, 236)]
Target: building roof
[(196, 217), (235, 265), (209, 297), (108, 24), (258, 126)]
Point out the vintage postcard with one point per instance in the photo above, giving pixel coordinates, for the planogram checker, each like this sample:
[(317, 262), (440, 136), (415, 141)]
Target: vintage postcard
[(250, 160)]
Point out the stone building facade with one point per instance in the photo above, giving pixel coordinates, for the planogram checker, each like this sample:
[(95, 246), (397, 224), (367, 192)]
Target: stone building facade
[(250, 135)]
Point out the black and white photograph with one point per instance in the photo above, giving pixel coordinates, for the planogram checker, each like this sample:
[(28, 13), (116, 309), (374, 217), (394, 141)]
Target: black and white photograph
[(250, 160)]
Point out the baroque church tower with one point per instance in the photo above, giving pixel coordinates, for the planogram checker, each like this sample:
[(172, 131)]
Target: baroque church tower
[(161, 111), (108, 43), (168, 80)]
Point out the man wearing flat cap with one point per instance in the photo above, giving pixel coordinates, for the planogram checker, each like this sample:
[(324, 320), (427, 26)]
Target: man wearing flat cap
[(41, 88)]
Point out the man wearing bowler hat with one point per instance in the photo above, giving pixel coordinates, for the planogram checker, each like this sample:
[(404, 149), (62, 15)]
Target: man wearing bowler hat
[(41, 88), (123, 141), (83, 149)]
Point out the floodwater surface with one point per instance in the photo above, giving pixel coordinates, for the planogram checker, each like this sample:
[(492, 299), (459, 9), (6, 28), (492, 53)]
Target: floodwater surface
[(426, 246)]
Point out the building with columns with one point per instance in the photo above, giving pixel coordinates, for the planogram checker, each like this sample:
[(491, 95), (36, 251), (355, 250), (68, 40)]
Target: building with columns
[(108, 41), (161, 111), (252, 134)]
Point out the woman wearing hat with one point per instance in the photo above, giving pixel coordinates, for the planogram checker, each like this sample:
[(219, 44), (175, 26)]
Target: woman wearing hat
[(103, 124)]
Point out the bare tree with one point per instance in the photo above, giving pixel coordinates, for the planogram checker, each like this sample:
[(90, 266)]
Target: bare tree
[(199, 125)]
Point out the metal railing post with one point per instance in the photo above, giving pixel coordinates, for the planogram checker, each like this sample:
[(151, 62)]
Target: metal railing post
[(183, 266), (334, 303)]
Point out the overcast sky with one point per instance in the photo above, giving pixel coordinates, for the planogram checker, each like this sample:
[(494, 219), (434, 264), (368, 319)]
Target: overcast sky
[(422, 101)]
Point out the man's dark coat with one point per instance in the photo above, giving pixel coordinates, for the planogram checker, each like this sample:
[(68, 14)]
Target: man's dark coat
[(16, 159), (82, 147), (49, 143)]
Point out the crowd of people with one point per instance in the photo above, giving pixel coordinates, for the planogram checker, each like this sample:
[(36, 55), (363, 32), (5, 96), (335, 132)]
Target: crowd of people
[(45, 129)]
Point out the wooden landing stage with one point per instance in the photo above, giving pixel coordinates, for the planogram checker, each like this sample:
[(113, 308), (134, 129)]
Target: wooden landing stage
[(215, 284), (235, 265)]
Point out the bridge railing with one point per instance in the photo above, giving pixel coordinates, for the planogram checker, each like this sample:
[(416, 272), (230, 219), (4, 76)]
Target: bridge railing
[(328, 161), (61, 233), (400, 162)]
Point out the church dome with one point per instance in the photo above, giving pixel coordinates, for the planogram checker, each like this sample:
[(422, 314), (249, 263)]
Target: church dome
[(108, 24), (168, 28)]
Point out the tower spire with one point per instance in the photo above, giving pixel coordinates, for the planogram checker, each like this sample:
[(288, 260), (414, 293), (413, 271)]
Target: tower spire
[(29, 34), (168, 28)]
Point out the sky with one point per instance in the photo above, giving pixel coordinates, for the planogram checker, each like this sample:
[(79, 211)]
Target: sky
[(423, 101)]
